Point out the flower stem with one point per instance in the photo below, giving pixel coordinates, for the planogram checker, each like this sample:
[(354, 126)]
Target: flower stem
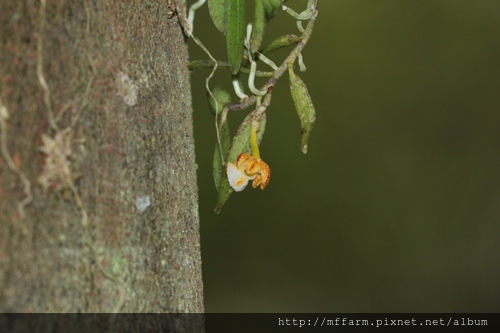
[(253, 141)]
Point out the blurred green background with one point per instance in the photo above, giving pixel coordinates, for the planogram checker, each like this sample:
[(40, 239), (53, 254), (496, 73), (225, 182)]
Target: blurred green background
[(396, 206)]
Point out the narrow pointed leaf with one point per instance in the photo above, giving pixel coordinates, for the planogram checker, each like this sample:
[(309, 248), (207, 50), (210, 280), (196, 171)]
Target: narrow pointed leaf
[(218, 13), (303, 105), (235, 33), (280, 42), (240, 144), (259, 25), (219, 156)]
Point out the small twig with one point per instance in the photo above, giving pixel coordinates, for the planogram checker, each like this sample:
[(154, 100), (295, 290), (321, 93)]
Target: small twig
[(312, 13), (278, 73), (262, 107), (274, 76)]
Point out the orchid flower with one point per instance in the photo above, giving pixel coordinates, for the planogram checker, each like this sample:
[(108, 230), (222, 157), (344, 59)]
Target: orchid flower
[(249, 167)]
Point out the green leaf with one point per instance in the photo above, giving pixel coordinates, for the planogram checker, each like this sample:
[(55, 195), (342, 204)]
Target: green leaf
[(235, 33), (218, 10), (222, 97), (271, 7), (240, 144), (303, 105), (219, 156), (281, 42), (259, 25)]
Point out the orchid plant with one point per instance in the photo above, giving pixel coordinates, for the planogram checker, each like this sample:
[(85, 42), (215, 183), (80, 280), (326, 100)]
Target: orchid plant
[(237, 160)]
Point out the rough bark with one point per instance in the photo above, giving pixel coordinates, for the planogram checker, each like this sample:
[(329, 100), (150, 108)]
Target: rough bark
[(113, 222)]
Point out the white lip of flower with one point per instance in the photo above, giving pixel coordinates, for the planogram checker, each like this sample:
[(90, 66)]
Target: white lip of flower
[(238, 179)]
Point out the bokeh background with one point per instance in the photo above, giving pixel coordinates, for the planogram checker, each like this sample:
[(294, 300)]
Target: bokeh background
[(396, 206)]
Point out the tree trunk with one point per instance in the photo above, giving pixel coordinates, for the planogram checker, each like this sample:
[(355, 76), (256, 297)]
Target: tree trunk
[(98, 209)]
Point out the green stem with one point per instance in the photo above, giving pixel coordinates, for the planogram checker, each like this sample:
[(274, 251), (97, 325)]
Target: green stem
[(253, 142), (277, 74)]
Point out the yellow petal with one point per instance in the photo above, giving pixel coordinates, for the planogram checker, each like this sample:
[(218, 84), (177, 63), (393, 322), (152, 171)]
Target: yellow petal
[(265, 174), (257, 181), (252, 166), (242, 159)]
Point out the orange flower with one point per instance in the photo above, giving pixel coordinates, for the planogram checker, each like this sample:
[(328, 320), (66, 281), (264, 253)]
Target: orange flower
[(248, 167)]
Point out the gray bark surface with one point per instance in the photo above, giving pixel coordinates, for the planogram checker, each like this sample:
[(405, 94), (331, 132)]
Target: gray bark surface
[(113, 224)]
